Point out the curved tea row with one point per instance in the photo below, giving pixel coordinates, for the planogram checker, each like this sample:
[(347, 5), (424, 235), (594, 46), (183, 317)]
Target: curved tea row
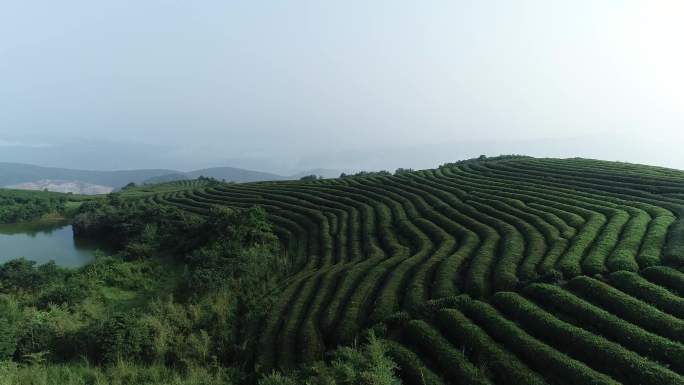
[(625, 329), (367, 247)]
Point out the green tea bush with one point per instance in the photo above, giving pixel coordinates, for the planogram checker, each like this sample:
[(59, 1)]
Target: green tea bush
[(595, 351)]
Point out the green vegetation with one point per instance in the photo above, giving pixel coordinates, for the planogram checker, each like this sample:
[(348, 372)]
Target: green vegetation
[(485, 271), (21, 205), (311, 177)]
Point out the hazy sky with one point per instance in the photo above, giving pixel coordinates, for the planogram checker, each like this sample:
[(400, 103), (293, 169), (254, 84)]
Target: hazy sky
[(224, 81)]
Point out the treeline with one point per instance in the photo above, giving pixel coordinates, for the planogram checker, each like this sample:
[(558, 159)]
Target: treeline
[(484, 158), (399, 171), (16, 205)]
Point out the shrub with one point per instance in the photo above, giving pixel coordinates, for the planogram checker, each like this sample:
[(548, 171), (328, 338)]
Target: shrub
[(410, 366), (538, 355), (606, 324), (8, 342), (628, 308), (657, 296), (368, 365), (63, 294), (120, 336), (596, 351), (667, 277), (451, 360), (504, 366)]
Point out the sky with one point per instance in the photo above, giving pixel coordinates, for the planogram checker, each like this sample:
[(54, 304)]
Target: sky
[(288, 85)]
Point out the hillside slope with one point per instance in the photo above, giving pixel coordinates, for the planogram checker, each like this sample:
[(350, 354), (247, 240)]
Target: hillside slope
[(540, 270)]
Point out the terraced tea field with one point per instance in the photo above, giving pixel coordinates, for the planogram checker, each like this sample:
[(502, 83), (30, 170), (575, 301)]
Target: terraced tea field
[(501, 271)]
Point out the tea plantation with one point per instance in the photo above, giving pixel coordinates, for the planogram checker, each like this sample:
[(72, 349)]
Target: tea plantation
[(508, 270)]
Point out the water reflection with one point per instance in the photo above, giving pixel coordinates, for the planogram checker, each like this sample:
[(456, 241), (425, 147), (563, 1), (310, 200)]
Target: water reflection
[(46, 241), (33, 228)]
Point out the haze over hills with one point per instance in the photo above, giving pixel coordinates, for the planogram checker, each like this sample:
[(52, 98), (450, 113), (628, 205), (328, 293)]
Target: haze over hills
[(64, 186), (293, 159), (17, 173), (31, 177)]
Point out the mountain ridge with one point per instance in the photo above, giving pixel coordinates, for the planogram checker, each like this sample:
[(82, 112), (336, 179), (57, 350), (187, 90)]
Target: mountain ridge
[(21, 174)]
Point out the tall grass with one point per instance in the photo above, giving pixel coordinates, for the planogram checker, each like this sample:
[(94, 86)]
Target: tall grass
[(121, 373)]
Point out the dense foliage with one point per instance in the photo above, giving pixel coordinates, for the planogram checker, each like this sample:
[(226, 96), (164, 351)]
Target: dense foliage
[(311, 177), (17, 205), (183, 301)]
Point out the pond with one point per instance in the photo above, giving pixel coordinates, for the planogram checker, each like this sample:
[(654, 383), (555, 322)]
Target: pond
[(46, 241)]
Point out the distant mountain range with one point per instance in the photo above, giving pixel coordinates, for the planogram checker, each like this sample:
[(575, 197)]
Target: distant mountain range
[(25, 176), (64, 186)]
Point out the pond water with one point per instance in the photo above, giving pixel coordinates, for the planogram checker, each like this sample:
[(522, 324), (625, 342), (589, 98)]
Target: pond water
[(44, 242)]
